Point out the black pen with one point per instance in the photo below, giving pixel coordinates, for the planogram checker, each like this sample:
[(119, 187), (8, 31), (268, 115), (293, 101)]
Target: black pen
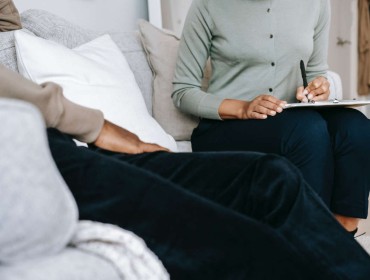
[(304, 76)]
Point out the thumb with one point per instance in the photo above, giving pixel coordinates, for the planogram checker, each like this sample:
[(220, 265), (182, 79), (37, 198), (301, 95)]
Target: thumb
[(300, 96), (148, 147)]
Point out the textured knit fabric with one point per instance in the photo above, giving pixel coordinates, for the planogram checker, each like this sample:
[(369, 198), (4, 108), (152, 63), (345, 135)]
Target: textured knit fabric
[(255, 48), (70, 264), (123, 249), (9, 16), (7, 50), (57, 111)]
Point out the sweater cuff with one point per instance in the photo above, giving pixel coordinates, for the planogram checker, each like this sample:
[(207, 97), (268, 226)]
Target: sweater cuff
[(208, 106)]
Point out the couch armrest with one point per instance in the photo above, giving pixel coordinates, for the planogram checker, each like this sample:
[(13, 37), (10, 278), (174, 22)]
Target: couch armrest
[(37, 212), (335, 85)]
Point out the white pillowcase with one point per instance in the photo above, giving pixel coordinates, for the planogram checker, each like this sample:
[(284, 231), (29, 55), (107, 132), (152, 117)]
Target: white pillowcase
[(95, 75)]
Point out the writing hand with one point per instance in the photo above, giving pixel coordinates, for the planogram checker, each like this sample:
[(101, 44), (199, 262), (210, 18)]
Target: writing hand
[(118, 139), (259, 108), (317, 90)]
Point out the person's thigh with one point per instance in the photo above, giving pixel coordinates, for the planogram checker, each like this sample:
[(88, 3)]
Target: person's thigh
[(197, 238), (215, 175), (350, 136), (193, 236), (300, 135)]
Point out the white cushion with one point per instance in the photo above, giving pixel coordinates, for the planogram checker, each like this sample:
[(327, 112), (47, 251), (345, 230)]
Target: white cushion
[(95, 75), (161, 47), (335, 81)]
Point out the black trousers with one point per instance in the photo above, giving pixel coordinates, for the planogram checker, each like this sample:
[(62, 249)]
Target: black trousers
[(213, 215), (331, 147)]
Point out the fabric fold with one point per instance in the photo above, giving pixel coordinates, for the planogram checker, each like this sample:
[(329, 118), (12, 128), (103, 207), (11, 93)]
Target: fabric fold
[(127, 252)]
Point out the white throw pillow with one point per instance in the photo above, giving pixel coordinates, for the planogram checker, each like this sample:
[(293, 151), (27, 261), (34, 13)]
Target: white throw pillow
[(95, 75)]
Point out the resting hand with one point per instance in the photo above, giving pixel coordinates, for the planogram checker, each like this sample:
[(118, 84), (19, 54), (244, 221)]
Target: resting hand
[(118, 139), (259, 108), (317, 90)]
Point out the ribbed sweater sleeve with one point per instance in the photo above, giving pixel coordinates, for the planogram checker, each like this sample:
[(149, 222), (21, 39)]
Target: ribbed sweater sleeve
[(193, 54), (317, 64)]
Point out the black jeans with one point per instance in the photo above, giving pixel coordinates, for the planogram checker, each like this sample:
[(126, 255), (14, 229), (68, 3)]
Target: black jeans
[(331, 147), (213, 215)]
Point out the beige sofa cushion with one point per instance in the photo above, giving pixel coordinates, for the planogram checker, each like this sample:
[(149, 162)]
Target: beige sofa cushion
[(161, 47)]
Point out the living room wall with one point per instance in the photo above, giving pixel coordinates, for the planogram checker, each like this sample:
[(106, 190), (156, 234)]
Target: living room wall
[(100, 15), (343, 44)]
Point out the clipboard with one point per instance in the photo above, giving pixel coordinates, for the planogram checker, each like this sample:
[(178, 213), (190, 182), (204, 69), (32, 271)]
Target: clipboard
[(329, 103)]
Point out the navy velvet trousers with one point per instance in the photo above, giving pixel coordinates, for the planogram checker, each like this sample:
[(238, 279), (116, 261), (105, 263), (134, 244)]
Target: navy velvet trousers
[(213, 215), (331, 147)]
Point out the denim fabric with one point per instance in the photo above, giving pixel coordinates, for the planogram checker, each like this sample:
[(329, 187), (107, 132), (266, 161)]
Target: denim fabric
[(213, 215), (331, 147)]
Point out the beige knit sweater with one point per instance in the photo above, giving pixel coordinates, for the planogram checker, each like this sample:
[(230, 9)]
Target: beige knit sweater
[(83, 123)]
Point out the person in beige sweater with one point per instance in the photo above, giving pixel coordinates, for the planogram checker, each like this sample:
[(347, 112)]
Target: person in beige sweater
[(10, 19), (229, 215)]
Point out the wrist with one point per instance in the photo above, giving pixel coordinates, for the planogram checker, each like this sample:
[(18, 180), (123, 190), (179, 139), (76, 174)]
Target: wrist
[(233, 109)]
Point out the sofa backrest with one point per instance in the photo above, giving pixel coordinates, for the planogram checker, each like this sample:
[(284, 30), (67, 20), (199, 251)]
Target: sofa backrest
[(7, 50), (51, 27)]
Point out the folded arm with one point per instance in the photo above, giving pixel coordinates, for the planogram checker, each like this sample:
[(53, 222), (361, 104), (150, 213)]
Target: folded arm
[(85, 124)]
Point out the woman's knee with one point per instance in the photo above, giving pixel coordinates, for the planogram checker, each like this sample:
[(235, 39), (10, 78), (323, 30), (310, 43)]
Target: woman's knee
[(309, 123), (276, 187), (350, 128), (308, 135)]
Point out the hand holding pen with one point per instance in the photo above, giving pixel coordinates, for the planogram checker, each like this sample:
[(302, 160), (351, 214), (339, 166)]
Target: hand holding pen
[(316, 90)]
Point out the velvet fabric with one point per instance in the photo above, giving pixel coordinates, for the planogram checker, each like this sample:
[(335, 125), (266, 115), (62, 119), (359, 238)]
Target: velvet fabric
[(329, 146), (213, 215)]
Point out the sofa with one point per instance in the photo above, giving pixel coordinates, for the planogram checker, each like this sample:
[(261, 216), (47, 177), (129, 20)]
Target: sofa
[(48, 26), (36, 208), (42, 257)]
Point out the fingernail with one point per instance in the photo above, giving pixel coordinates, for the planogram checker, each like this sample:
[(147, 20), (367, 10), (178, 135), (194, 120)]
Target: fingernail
[(279, 109), (310, 96), (272, 113), (305, 92), (304, 100)]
